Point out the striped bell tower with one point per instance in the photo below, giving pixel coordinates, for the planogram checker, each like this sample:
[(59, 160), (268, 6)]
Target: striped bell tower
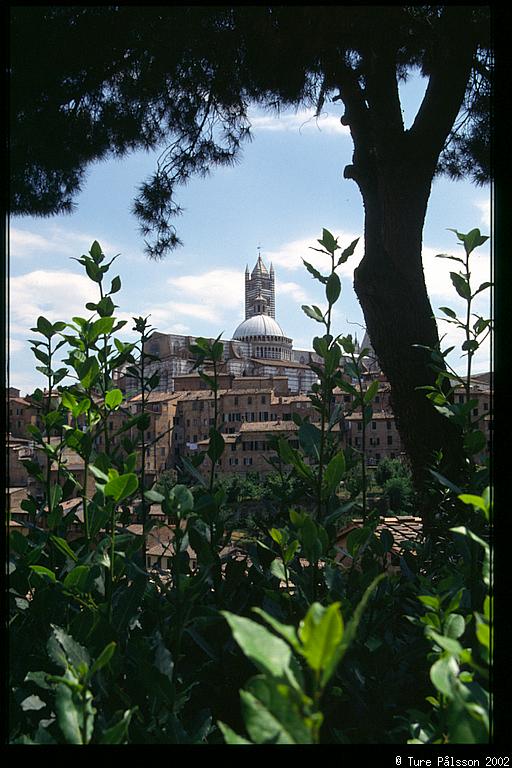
[(260, 283)]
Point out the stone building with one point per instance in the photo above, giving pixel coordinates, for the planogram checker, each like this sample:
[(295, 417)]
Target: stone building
[(259, 346)]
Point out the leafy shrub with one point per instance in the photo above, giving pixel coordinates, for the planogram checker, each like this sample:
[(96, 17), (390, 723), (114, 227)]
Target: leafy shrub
[(105, 650)]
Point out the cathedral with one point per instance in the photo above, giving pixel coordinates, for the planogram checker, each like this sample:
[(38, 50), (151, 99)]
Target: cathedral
[(258, 348)]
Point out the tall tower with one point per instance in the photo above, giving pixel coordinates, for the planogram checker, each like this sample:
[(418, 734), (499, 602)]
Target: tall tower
[(260, 282)]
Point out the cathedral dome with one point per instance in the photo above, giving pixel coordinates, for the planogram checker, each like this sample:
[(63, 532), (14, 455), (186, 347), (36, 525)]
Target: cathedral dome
[(258, 325)]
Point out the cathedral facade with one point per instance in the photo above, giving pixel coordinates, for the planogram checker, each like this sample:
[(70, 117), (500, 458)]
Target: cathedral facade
[(258, 348)]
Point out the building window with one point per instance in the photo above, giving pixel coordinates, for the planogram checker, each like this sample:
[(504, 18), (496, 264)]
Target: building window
[(263, 399), (388, 423), (374, 425), (390, 439), (359, 426), (248, 461)]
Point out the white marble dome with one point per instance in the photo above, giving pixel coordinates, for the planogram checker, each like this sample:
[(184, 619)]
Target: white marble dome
[(257, 326)]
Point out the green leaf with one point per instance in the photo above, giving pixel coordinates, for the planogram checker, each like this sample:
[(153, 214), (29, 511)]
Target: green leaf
[(55, 497), (44, 326), (444, 675), (113, 398), (470, 345), (96, 252), (88, 372), (122, 486), (64, 547), (271, 716), (101, 327), (356, 539), (126, 603), (192, 471), (118, 733), (316, 274), (314, 312), (230, 737), (285, 630), (68, 715), (181, 500), (66, 651), (448, 644), (277, 535), (333, 288), (105, 307), (216, 445), (351, 627), (42, 356), (104, 658), (371, 392), (93, 271), (474, 442), (445, 482), (277, 569), (78, 579), (471, 240), (348, 252), (334, 472), (454, 626), (321, 632), (431, 601), (42, 571), (269, 653), (461, 285), (328, 241), (115, 285), (310, 439), (478, 502), (387, 540), (290, 551)]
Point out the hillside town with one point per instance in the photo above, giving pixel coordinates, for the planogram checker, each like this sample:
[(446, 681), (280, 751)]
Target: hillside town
[(263, 382)]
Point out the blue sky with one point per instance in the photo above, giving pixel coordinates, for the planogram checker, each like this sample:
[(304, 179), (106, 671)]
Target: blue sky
[(287, 187)]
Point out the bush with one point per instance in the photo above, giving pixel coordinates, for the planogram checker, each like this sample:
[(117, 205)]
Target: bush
[(398, 494)]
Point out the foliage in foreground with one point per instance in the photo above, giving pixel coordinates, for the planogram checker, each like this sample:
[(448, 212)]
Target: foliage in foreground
[(105, 652)]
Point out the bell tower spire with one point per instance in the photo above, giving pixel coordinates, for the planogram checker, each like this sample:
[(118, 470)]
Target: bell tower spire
[(260, 283)]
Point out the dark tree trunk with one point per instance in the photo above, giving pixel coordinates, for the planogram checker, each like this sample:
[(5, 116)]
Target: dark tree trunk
[(390, 286), (393, 169)]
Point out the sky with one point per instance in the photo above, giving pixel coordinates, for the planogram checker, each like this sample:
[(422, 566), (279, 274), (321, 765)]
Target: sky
[(286, 188)]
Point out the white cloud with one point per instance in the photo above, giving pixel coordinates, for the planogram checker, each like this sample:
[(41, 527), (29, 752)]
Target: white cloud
[(51, 239), (210, 297), (437, 271), (290, 255), (58, 295), (484, 206), (211, 287), (291, 289), (15, 345), (303, 120)]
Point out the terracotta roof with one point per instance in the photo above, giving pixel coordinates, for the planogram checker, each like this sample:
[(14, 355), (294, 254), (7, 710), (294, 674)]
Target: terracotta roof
[(156, 397), (402, 527), (235, 392), (375, 416), (268, 426), (279, 363)]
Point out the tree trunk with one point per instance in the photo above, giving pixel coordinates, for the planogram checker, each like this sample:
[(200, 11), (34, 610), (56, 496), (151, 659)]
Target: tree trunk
[(390, 285), (393, 169)]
